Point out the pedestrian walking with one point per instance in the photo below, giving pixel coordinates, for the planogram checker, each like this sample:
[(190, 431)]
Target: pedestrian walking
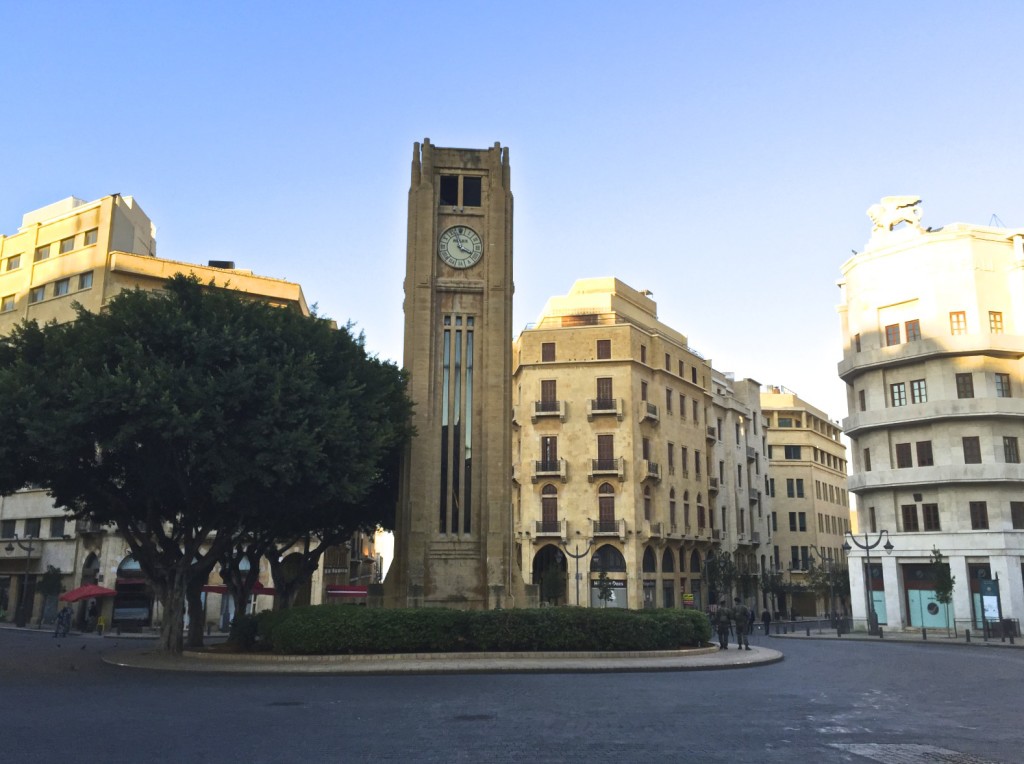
[(742, 615), (722, 617), (766, 619), (63, 622)]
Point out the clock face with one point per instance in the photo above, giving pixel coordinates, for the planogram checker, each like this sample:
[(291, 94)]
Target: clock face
[(460, 247)]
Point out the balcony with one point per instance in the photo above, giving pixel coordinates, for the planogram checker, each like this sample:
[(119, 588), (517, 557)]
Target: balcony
[(755, 537), (650, 470), (656, 530), (796, 566), (610, 528), (607, 467), (754, 494), (751, 454), (604, 406), (516, 476), (555, 468), (548, 409), (550, 528), (713, 485), (716, 535), (649, 410), (712, 434)]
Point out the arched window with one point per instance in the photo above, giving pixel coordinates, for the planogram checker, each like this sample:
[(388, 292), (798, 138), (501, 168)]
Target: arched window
[(647, 503), (549, 509), (650, 563), (606, 508), (668, 562), (695, 562), (609, 559)]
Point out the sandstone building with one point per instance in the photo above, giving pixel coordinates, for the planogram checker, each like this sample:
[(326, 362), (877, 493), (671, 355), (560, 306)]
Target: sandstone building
[(633, 460)]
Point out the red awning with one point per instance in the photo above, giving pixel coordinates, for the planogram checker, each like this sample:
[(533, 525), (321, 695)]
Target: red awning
[(338, 590)]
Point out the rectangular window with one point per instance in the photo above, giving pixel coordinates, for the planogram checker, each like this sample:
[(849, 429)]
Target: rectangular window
[(1011, 453), (36, 294), (898, 394), (681, 368), (32, 527), (668, 400), (643, 390), (903, 457), (1017, 515), (972, 450), (872, 520), (792, 518), (643, 354), (90, 237), (471, 190), (7, 304), (682, 405), (913, 330), (56, 527), (668, 362), (910, 518), (856, 342), (957, 322), (42, 253), (965, 385), (604, 350), (696, 412), (931, 517), (867, 460), (892, 334), (696, 463), (924, 453), (979, 516), (449, 191), (61, 287), (7, 529), (1003, 386), (13, 263), (66, 245), (85, 281), (995, 322), (739, 476), (671, 458), (862, 400), (605, 399), (792, 452), (547, 352), (684, 460), (918, 391), (802, 518), (645, 449), (800, 488)]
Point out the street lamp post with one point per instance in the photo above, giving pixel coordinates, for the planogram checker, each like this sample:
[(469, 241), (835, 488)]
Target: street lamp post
[(867, 546), (576, 556), (20, 615)]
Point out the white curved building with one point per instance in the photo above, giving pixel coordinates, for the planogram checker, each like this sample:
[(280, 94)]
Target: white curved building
[(933, 333)]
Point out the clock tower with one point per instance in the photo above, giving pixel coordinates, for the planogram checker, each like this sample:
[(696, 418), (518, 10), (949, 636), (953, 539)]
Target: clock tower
[(453, 535)]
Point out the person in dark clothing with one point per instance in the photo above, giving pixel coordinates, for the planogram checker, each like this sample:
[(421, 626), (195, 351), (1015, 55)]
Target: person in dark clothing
[(722, 618), (766, 619)]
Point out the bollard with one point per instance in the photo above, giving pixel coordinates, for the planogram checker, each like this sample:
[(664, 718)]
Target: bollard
[(808, 631), (880, 635), (924, 633), (839, 631), (967, 633)]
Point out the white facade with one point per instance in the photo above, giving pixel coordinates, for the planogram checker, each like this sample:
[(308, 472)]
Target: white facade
[(933, 331)]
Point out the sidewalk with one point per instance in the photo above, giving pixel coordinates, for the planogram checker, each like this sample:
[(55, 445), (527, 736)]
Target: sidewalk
[(934, 637), (699, 659)]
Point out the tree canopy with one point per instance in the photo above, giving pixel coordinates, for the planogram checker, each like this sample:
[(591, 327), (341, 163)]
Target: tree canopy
[(192, 416)]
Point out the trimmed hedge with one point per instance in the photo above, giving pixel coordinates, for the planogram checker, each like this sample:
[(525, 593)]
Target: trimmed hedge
[(332, 630)]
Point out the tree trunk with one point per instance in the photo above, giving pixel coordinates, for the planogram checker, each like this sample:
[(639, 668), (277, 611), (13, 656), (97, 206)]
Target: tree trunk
[(171, 630), (196, 617)]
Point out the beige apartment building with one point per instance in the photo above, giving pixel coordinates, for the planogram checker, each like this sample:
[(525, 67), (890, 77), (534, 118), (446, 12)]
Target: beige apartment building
[(619, 469), (87, 252), (810, 503), (933, 333)]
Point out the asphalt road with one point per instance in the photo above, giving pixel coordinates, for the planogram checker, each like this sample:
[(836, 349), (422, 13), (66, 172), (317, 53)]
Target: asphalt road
[(826, 702)]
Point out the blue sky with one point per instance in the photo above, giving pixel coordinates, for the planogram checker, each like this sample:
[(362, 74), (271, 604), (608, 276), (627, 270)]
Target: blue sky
[(721, 155)]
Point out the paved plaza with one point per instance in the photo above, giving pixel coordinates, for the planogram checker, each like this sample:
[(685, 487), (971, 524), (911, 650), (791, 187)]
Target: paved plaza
[(828, 701)]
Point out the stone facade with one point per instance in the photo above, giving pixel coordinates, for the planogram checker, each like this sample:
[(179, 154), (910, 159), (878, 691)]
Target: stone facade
[(616, 451), (810, 501), (453, 534), (932, 331)]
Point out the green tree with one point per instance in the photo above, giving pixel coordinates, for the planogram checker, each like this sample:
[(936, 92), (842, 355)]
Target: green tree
[(49, 586), (191, 416), (604, 586), (943, 580)]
